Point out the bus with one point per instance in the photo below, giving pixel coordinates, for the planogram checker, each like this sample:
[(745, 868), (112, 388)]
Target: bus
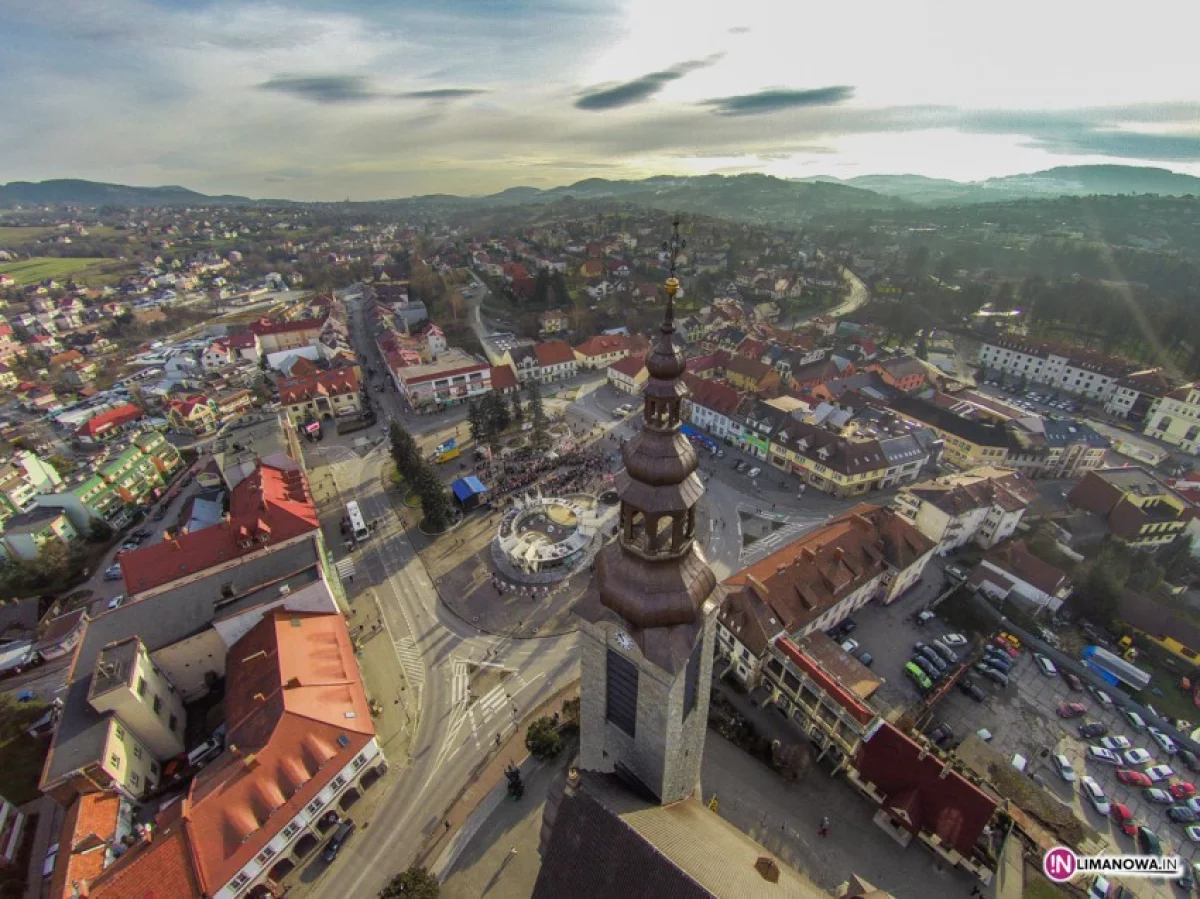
[(357, 525)]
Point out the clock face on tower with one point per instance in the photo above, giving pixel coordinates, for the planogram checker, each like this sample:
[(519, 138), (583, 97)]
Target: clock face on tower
[(624, 640)]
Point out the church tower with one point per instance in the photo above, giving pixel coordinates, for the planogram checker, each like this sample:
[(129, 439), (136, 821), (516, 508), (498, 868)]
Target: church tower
[(648, 618)]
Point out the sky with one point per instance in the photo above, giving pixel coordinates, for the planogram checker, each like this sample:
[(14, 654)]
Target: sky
[(371, 99)]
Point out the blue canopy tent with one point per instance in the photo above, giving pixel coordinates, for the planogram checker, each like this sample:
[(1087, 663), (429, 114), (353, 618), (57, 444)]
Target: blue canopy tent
[(470, 492)]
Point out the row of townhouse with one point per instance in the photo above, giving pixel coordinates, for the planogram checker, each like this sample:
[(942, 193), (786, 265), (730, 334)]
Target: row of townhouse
[(1068, 369)]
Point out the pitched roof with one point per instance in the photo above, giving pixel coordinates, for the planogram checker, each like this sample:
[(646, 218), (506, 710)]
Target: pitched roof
[(923, 791), (297, 714), (830, 450), (265, 326), (819, 674), (709, 394), (968, 429), (554, 352), (1153, 618), (333, 382), (270, 506), (748, 368), (747, 617), (242, 340), (503, 377), (802, 580), (630, 366), (109, 419), (88, 829), (902, 367), (977, 489), (160, 867), (603, 344), (61, 627), (1015, 558)]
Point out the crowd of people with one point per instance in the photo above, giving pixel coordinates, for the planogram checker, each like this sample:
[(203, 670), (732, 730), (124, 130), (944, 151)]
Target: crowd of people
[(581, 470)]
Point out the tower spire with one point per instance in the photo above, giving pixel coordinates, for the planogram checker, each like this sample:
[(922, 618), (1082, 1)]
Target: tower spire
[(671, 248)]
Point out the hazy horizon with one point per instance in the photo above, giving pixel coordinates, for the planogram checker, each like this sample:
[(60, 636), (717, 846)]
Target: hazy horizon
[(314, 100)]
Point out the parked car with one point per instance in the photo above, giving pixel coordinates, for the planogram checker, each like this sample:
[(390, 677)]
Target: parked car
[(924, 664), (754, 472), (1133, 778), (1116, 742), (918, 676), (971, 689), (1072, 710), (1091, 790), (1047, 666), (1101, 697), (925, 617), (1159, 773), (998, 660), (1065, 771), (1100, 754), (1188, 758), (343, 833), (850, 647), (954, 640), (1148, 841), (1165, 743), (941, 733), (1123, 818), (1181, 814), (1193, 833), (1099, 887), (1181, 789), (954, 573), (1136, 721), (1072, 681), (1157, 794), (113, 572), (1137, 757), (849, 626), (1006, 647), (867, 659), (115, 602), (1012, 641), (1091, 729), (129, 546), (999, 678), (949, 656)]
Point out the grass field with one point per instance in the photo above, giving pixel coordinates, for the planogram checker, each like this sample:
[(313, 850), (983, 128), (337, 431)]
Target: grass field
[(90, 270)]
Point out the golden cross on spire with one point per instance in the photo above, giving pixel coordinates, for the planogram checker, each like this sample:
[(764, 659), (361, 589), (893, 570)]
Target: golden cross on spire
[(671, 248)]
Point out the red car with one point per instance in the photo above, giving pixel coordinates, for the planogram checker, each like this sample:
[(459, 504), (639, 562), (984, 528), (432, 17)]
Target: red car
[(1001, 643), (1123, 818), (1133, 778), (1071, 710), (1181, 789)]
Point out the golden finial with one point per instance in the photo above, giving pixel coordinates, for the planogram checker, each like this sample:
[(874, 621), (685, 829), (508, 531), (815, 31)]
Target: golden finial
[(671, 250)]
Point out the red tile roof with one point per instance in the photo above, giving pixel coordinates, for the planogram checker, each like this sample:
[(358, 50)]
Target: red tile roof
[(266, 326), (90, 824), (503, 377), (713, 395), (242, 340), (161, 867), (1016, 559), (270, 506), (554, 352), (297, 714), (630, 366), (301, 389), (920, 791), (857, 709), (603, 345), (106, 421)]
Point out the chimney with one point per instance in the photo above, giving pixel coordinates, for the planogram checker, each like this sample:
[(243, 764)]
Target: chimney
[(767, 869), (759, 588), (838, 553), (251, 761)]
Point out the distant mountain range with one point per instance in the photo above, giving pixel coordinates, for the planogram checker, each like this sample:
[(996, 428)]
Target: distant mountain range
[(749, 196)]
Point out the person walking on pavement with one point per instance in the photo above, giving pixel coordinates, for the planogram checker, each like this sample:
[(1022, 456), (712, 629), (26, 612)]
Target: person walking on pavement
[(824, 831)]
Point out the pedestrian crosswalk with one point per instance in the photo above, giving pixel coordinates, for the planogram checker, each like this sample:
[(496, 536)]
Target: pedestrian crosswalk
[(410, 661), (459, 681), (345, 569), (494, 700), (775, 540)]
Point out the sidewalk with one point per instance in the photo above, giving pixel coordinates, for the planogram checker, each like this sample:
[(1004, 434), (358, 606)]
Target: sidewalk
[(478, 799)]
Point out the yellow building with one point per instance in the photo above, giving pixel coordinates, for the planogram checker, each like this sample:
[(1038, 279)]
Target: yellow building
[(823, 460), (969, 442), (127, 683), (1157, 624)]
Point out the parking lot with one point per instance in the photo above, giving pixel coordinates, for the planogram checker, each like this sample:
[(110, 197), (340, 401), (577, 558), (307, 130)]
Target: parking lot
[(1023, 720)]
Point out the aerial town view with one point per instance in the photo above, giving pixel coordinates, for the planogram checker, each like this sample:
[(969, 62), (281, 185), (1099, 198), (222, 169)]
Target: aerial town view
[(630, 449)]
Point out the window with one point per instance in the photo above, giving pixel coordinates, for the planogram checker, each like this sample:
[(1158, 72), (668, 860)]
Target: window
[(291, 830), (173, 722), (358, 762), (691, 684), (313, 807), (115, 761), (154, 768), (134, 779), (137, 751), (141, 687), (157, 705), (338, 782), (265, 856), (622, 692), (120, 732)]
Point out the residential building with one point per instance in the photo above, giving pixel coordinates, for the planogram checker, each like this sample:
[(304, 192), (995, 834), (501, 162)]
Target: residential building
[(26, 533), (92, 838), (981, 506), (1054, 448), (8, 378), (745, 628), (504, 380), (109, 424), (553, 321), (752, 375), (12, 834), (628, 375), (299, 736), (333, 393), (605, 349), (1069, 369), (246, 346), (274, 336), (135, 475), (1156, 622), (195, 415), (62, 635), (1138, 508), (90, 499), (824, 690), (813, 583), (1175, 419), (713, 407), (903, 373), (218, 355), (823, 460), (556, 361), (22, 478), (969, 442), (232, 403), (907, 457), (1011, 571), (454, 378), (1135, 395), (127, 684)]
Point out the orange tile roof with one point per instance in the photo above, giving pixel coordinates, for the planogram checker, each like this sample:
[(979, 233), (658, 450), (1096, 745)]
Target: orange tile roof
[(630, 366), (270, 506), (297, 714), (266, 326), (554, 352), (161, 867), (602, 345), (89, 826), (333, 382), (503, 377), (106, 421)]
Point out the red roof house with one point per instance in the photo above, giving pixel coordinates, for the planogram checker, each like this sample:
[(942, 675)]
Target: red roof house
[(109, 423)]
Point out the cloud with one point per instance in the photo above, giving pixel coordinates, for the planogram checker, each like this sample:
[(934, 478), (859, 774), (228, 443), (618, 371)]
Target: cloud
[(739, 29), (323, 88), (776, 100), (639, 89), (442, 93)]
